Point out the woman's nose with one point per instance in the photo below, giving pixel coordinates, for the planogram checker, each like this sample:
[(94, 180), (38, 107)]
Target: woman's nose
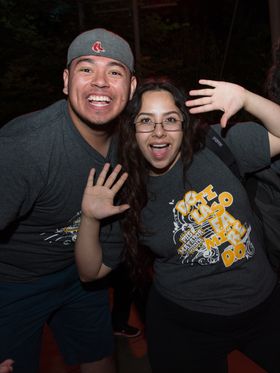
[(159, 130)]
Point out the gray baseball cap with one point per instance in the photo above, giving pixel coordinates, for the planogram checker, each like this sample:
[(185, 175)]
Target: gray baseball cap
[(103, 43)]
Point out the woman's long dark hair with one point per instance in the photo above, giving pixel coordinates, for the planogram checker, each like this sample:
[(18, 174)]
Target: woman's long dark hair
[(135, 192)]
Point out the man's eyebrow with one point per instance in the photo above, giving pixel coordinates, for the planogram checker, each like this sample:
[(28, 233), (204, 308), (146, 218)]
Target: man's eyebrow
[(110, 64), (84, 59), (116, 63)]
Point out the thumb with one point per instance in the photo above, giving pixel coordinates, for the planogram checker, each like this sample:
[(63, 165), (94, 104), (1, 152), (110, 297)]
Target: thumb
[(121, 208), (224, 120)]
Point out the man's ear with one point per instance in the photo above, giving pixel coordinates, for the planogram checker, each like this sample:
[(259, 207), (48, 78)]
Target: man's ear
[(65, 80), (133, 85)]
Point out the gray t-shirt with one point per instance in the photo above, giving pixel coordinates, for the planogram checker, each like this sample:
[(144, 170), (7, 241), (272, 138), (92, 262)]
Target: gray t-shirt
[(208, 243), (44, 165)]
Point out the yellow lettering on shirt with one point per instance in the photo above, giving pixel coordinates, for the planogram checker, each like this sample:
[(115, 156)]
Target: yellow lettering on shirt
[(239, 227), (230, 256), (217, 209), (183, 206), (206, 195), (208, 210), (222, 222), (225, 199), (215, 240), (233, 237), (201, 213), (191, 198), (240, 250)]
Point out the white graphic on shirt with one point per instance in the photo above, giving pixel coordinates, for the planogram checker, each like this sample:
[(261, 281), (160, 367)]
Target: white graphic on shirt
[(206, 232), (67, 235)]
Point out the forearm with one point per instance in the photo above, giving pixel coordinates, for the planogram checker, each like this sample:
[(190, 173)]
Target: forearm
[(265, 110), (88, 251)]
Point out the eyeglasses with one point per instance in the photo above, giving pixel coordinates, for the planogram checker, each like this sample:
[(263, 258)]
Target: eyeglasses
[(147, 125)]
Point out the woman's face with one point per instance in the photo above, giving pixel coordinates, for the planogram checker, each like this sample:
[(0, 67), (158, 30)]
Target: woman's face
[(160, 148)]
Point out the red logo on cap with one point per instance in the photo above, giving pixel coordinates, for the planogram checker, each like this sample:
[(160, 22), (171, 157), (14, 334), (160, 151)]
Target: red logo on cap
[(97, 47)]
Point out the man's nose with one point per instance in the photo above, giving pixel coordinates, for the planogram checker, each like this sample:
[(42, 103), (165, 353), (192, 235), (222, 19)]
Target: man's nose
[(100, 79)]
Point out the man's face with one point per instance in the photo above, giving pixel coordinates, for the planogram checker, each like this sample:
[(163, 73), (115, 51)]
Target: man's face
[(98, 89)]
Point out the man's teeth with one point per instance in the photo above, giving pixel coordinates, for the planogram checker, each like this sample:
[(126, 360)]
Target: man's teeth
[(99, 99)]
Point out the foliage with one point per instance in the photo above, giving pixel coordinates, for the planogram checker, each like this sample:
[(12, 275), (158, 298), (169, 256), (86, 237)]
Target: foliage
[(187, 41)]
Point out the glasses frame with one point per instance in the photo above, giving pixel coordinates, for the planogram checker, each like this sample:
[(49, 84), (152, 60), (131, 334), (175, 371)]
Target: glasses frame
[(162, 126)]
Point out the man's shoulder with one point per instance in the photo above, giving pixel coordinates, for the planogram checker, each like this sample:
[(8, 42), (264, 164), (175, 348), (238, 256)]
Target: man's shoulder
[(35, 122)]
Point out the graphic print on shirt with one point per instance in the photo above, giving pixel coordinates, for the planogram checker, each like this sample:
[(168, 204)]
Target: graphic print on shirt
[(206, 232), (66, 235)]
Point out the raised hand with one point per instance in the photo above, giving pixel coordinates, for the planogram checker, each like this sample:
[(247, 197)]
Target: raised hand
[(224, 96), (6, 366), (98, 199)]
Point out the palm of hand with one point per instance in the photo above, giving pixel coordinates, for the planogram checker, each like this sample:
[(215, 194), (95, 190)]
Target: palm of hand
[(224, 96), (98, 202), (227, 97)]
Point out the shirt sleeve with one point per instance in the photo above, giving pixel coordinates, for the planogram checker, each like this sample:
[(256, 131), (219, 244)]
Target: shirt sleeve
[(20, 181), (249, 144)]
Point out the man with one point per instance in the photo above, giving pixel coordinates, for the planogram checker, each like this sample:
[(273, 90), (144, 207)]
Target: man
[(45, 158)]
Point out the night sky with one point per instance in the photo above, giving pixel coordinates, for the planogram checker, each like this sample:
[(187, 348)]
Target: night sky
[(215, 39)]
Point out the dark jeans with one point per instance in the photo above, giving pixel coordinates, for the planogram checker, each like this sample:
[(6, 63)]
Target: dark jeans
[(79, 316), (123, 295), (180, 340), (126, 293)]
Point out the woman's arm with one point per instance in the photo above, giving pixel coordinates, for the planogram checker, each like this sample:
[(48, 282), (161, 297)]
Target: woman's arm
[(97, 204), (230, 98)]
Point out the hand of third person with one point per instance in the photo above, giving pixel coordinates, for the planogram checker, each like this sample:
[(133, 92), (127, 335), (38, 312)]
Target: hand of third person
[(6, 366), (224, 96)]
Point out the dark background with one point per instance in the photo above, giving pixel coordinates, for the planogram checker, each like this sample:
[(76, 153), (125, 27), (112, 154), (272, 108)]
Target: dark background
[(189, 39)]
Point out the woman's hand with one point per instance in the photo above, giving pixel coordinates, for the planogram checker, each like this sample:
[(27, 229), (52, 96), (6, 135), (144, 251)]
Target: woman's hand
[(98, 199), (224, 96)]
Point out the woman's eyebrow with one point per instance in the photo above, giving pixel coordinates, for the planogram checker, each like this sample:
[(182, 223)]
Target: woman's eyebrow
[(166, 113)]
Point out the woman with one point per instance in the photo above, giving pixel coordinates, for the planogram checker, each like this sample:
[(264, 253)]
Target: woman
[(214, 290)]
